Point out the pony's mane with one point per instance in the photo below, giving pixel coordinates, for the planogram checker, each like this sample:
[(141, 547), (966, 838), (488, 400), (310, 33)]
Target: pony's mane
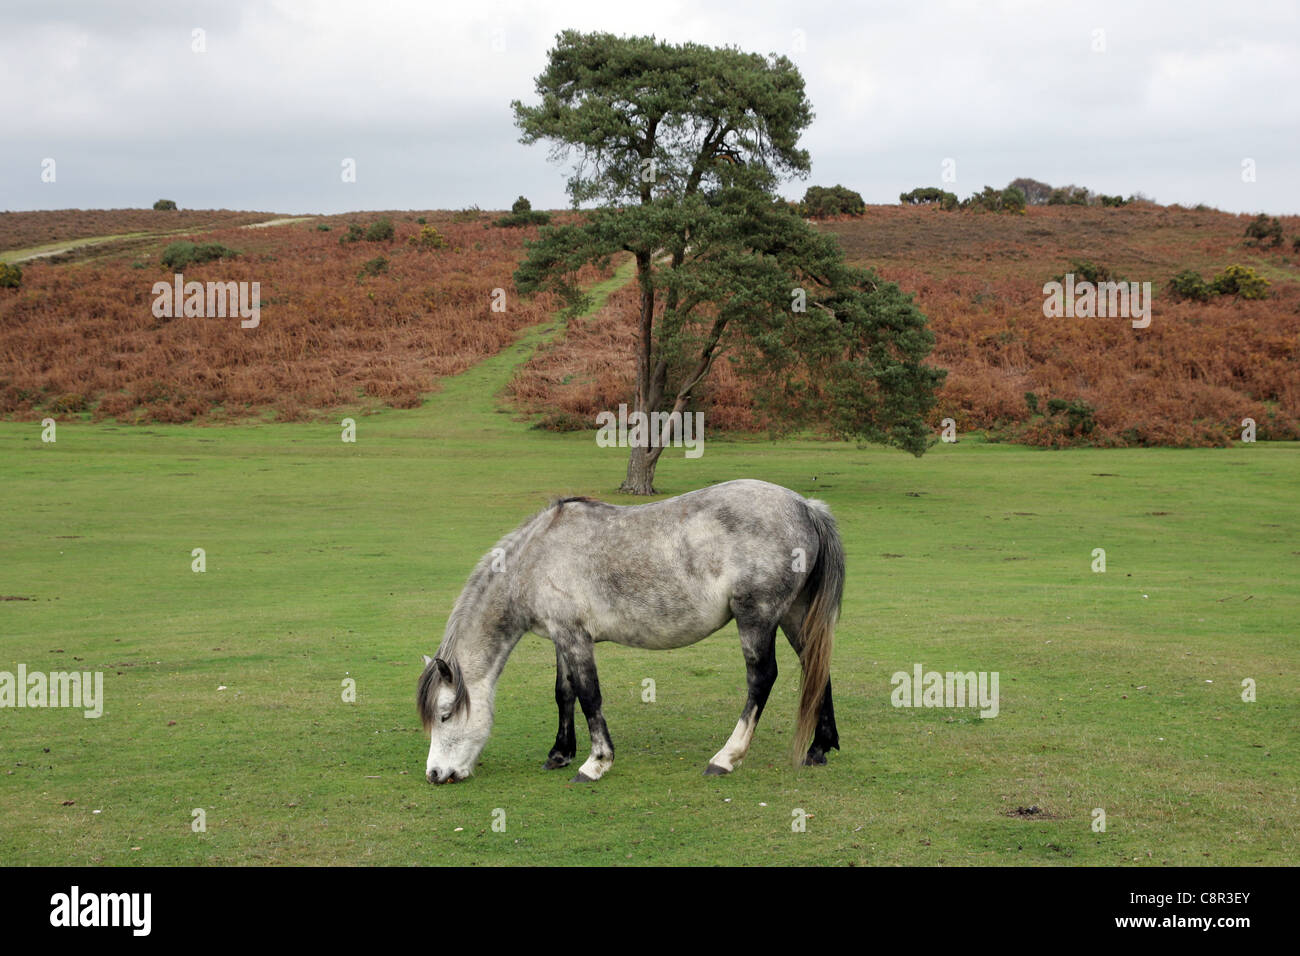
[(512, 546)]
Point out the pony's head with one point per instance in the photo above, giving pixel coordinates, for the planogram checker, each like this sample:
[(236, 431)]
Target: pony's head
[(457, 730)]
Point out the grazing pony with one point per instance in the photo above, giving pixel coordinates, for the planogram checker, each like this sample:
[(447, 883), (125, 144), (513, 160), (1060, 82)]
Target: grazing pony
[(660, 576)]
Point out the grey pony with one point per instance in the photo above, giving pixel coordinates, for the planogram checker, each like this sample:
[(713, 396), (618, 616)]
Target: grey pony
[(661, 575)]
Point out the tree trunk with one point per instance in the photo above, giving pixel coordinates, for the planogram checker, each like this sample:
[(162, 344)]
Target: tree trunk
[(641, 461), (640, 478)]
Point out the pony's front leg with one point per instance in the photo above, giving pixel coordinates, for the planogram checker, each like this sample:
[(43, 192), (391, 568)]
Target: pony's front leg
[(758, 643), (566, 745), (577, 647)]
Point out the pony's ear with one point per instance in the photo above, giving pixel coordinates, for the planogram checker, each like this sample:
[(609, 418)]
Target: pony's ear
[(427, 659), (443, 668)]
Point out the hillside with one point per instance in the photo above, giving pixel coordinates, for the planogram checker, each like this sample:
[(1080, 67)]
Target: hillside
[(79, 336), (1187, 379), (341, 324)]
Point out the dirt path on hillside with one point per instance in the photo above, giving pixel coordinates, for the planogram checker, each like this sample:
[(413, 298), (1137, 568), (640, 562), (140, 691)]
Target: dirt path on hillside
[(58, 248), (283, 221)]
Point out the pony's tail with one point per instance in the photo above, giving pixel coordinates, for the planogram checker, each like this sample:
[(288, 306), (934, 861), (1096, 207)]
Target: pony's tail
[(817, 633)]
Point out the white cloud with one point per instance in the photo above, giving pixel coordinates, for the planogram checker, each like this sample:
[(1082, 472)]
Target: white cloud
[(419, 93)]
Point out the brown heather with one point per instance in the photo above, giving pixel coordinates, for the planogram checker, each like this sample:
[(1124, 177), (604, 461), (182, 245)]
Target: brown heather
[(81, 335), (1188, 380)]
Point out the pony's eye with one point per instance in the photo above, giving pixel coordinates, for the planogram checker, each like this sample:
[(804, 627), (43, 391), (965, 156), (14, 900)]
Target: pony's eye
[(446, 717)]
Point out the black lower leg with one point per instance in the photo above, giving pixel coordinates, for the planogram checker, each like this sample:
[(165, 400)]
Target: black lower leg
[(760, 673), (826, 737), (582, 673), (566, 744)]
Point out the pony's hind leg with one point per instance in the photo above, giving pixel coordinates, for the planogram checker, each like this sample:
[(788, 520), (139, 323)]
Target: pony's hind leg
[(580, 661), (758, 642), (826, 737), (566, 745)]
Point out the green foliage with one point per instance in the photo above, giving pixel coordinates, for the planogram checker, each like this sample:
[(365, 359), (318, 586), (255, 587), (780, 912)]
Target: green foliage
[(10, 276), (468, 214), (1039, 193), (1036, 192), (1235, 280), (1264, 232), (380, 231), (1079, 415), (1061, 421), (1013, 199), (1188, 285), (522, 214), (178, 255), (68, 402), (929, 194), (373, 267), (1069, 196), (921, 194), (429, 238), (820, 202), (164, 204), (420, 221), (1240, 281), (322, 227), (989, 199), (616, 101), (1085, 271)]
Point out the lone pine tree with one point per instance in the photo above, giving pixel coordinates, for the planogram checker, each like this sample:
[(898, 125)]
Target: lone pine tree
[(680, 149)]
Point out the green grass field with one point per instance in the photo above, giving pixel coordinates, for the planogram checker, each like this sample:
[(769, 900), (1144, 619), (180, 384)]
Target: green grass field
[(326, 560)]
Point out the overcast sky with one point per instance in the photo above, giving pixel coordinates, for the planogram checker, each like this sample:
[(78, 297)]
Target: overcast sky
[(1167, 99)]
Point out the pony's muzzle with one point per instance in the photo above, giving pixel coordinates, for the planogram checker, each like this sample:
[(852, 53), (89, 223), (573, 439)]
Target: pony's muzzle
[(438, 775)]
